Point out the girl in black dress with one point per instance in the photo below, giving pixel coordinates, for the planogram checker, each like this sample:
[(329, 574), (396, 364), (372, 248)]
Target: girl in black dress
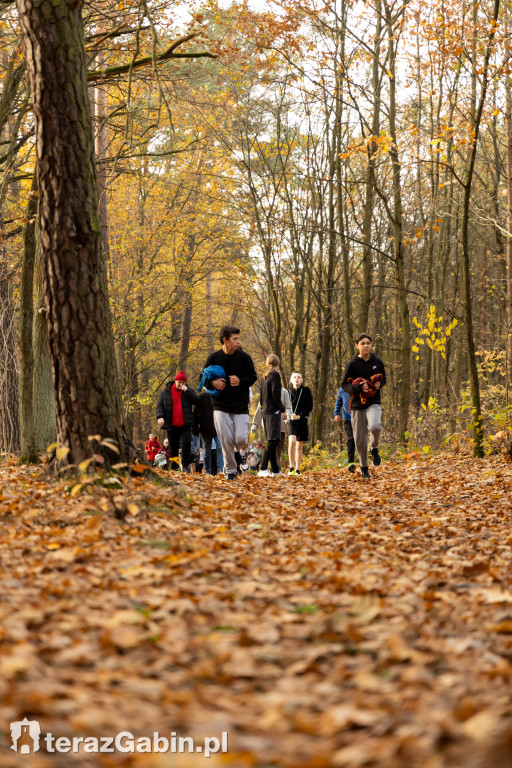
[(302, 405)]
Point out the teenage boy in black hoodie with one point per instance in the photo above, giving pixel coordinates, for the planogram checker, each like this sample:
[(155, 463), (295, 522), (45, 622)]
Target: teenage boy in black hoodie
[(365, 409), (231, 405)]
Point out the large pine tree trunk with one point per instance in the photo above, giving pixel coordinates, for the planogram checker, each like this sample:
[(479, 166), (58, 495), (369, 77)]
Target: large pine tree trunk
[(79, 322)]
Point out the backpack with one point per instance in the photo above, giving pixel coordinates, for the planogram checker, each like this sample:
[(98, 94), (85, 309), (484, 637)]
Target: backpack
[(210, 373)]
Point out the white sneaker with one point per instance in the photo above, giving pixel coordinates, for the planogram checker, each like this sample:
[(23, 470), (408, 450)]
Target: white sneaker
[(264, 473)]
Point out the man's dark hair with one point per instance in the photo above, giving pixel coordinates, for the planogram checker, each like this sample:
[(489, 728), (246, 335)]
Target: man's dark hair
[(361, 336), (226, 332)]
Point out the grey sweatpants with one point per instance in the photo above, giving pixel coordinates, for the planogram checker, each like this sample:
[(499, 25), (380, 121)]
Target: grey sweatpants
[(233, 431), (369, 420)]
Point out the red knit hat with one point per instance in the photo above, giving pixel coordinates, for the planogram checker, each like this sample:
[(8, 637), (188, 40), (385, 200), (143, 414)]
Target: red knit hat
[(181, 376)]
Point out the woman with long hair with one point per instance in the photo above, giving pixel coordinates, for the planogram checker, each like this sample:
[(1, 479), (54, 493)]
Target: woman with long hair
[(272, 407)]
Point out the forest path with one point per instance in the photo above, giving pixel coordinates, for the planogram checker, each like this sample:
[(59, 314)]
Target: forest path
[(319, 620)]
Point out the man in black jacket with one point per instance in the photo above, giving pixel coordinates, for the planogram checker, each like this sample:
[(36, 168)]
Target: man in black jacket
[(365, 408), (231, 405), (175, 414)]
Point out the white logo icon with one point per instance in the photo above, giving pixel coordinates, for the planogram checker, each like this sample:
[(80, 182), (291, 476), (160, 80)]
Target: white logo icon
[(25, 735)]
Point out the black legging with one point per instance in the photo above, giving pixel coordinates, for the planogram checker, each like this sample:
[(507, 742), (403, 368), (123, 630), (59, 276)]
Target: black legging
[(349, 436), (176, 436), (270, 454), (279, 450)]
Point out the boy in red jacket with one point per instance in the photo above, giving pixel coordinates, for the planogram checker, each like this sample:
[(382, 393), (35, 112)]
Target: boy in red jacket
[(152, 447)]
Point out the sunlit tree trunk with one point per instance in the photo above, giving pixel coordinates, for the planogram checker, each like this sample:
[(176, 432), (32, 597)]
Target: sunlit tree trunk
[(209, 314), (333, 116), (476, 117), (366, 292), (186, 323), (508, 293), (405, 340)]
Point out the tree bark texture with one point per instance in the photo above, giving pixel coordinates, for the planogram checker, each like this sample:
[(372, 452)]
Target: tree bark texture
[(101, 143), (476, 118), (45, 424), (508, 135), (186, 324), (25, 342), (79, 322), (9, 392), (333, 257), (405, 342), (366, 290), (210, 345)]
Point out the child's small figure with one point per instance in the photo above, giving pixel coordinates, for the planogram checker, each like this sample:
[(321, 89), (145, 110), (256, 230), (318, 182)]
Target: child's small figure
[(253, 461), (152, 447), (162, 458)]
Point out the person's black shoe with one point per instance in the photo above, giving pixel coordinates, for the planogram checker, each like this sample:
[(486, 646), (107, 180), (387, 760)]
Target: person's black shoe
[(232, 476), (365, 473), (376, 459), (352, 467), (297, 471)]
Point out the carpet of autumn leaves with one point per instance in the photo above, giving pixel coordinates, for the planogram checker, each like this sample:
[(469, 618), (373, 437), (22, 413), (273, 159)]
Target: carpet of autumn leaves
[(319, 620)]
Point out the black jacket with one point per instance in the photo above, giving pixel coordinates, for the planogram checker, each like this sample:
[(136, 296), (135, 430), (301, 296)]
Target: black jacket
[(365, 369), (233, 399), (271, 394), (302, 401), (164, 407), (203, 416)]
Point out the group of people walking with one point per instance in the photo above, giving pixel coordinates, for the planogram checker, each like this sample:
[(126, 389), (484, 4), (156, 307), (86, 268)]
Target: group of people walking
[(283, 411), (184, 415), (220, 411)]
